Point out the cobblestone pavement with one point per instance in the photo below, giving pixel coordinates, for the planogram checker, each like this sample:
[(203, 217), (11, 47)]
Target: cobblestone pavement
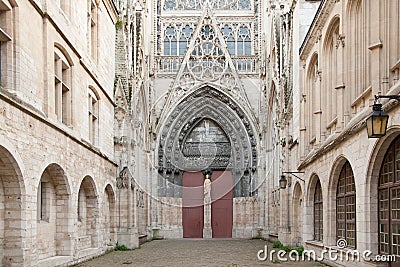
[(193, 252)]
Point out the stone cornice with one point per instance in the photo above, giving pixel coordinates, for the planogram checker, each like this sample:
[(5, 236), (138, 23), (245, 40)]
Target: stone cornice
[(111, 10), (314, 32)]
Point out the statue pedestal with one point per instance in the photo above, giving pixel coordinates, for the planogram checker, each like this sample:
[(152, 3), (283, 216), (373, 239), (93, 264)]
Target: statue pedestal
[(207, 232)]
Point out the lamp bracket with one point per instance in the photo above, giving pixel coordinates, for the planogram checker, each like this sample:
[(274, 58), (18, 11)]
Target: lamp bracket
[(377, 97), (294, 174)]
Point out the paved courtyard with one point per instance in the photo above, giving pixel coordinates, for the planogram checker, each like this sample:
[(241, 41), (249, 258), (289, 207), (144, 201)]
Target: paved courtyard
[(193, 252)]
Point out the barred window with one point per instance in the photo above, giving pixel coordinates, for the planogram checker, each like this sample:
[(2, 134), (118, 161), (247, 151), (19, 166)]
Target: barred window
[(318, 212), (346, 206), (389, 201)]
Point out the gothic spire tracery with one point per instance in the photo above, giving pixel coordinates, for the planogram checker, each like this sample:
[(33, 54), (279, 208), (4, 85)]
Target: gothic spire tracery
[(207, 58)]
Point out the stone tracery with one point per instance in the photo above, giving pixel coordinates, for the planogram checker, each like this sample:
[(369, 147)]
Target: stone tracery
[(172, 5), (239, 35)]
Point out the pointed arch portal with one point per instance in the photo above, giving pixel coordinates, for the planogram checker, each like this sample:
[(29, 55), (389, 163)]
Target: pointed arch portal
[(207, 130)]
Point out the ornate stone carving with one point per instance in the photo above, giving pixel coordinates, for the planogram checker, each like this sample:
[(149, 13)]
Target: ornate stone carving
[(198, 5), (340, 41), (237, 151), (123, 178), (120, 114), (139, 198)]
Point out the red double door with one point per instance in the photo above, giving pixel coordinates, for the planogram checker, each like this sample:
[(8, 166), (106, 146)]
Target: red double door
[(221, 206)]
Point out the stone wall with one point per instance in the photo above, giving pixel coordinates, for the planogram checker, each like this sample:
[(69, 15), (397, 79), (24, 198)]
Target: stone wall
[(334, 88), (52, 159), (245, 217)]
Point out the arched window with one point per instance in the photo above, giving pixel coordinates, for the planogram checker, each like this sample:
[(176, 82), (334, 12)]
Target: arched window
[(313, 106), (244, 42), (184, 39), (229, 37), (346, 206), (62, 88), (170, 41), (330, 79), (359, 53), (318, 212), (237, 38), (389, 201)]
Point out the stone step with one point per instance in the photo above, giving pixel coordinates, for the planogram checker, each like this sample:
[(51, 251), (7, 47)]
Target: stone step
[(55, 261)]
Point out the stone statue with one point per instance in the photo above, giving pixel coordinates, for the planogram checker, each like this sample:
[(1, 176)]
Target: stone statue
[(207, 191), (207, 232)]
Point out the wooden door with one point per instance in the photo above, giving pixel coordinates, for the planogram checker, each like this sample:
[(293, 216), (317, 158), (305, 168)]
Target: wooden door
[(222, 204), (192, 204)]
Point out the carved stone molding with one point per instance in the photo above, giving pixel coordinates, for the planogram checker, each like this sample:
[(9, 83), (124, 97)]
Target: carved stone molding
[(239, 154), (340, 41)]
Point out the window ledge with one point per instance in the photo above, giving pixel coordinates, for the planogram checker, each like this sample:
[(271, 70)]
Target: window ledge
[(331, 123), (363, 95), (4, 37), (334, 247), (352, 253), (396, 66), (341, 86), (315, 243), (313, 140), (377, 44)]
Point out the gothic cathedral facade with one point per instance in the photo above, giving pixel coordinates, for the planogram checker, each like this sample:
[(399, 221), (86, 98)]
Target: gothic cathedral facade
[(124, 121)]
